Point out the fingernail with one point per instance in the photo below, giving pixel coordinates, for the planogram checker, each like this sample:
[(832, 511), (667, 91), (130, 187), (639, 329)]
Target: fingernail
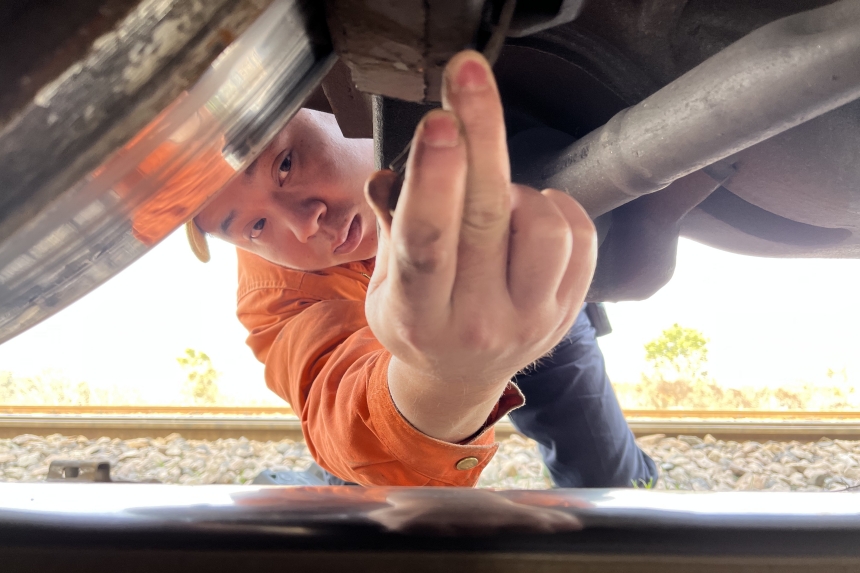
[(472, 76), (440, 130)]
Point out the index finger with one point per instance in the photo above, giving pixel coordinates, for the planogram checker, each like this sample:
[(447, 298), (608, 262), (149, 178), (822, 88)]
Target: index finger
[(424, 231)]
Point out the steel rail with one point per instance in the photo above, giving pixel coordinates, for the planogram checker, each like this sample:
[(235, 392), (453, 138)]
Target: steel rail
[(197, 427), (268, 423), (150, 410), (285, 410)]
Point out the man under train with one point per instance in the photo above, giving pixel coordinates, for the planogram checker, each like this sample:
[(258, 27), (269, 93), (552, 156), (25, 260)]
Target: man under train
[(401, 337)]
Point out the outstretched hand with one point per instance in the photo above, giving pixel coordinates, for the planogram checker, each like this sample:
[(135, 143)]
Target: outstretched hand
[(475, 277)]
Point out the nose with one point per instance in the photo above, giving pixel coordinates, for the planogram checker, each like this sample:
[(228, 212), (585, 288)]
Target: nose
[(305, 221)]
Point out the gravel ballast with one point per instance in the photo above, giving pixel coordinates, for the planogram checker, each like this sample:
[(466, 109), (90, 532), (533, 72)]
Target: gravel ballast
[(685, 462)]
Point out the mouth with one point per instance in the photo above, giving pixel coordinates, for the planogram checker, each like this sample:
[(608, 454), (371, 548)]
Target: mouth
[(351, 239)]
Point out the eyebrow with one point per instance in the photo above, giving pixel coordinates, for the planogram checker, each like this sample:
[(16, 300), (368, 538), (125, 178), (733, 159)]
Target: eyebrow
[(225, 224)]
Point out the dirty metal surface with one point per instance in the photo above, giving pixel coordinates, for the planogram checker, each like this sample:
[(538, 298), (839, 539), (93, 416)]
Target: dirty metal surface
[(67, 229), (532, 17), (399, 49), (795, 194), (47, 37), (351, 108), (84, 471), (779, 76), (96, 104)]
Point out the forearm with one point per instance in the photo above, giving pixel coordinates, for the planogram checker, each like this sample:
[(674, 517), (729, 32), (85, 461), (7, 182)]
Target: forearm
[(465, 290), (448, 410), (354, 430)]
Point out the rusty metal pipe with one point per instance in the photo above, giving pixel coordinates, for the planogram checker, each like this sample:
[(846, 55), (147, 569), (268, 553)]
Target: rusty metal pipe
[(775, 78)]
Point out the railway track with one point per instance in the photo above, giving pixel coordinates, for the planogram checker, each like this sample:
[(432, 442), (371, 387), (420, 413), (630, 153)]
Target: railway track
[(273, 423)]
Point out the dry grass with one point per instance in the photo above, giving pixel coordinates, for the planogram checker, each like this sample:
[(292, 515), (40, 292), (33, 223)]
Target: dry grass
[(660, 394)]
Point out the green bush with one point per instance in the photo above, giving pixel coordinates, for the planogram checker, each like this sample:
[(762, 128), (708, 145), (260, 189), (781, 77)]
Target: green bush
[(201, 384), (678, 379)]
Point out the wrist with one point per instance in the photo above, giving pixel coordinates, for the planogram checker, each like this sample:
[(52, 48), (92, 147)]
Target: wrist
[(448, 409)]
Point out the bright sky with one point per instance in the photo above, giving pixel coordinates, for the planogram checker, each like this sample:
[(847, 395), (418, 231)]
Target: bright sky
[(130, 330), (769, 321)]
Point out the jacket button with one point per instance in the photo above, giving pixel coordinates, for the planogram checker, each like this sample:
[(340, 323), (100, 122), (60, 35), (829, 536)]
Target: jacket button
[(467, 463)]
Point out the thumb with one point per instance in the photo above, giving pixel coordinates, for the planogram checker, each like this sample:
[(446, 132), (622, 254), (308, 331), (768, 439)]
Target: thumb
[(378, 191)]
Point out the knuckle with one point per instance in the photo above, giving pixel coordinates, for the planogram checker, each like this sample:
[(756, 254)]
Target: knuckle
[(539, 212), (582, 229), (574, 212), (552, 226), (584, 241), (421, 250), (479, 335), (485, 214), (548, 237), (419, 261), (529, 334), (543, 321), (585, 229)]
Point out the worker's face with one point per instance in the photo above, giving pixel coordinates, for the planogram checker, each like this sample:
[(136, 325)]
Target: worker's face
[(301, 203)]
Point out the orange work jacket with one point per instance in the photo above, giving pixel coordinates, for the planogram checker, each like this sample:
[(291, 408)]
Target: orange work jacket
[(310, 331)]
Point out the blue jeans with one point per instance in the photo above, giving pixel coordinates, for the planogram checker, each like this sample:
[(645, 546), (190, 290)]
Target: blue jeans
[(572, 413)]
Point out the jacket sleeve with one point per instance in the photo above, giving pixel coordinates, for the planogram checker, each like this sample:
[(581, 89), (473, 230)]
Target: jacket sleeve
[(321, 357)]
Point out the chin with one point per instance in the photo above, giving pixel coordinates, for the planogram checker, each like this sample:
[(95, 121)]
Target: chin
[(364, 251), (369, 245), (351, 258), (305, 266)]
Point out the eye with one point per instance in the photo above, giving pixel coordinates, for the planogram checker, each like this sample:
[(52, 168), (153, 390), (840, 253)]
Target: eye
[(257, 229), (284, 168)]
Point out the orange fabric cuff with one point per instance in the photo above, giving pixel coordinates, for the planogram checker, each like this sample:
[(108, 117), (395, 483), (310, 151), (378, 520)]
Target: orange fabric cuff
[(435, 459)]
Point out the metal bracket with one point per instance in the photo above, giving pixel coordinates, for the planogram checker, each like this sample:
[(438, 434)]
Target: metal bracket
[(79, 471)]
